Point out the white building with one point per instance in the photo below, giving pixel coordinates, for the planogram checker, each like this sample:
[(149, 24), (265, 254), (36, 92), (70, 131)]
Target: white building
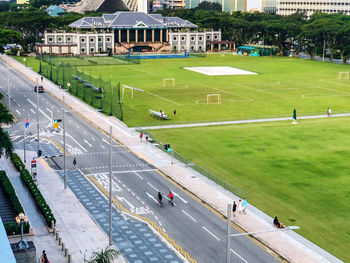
[(288, 7), (269, 6)]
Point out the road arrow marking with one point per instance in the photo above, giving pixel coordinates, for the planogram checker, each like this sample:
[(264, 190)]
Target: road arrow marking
[(151, 196), (87, 143), (183, 200)]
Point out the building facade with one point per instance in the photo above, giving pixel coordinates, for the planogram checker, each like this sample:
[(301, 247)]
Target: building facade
[(227, 5), (288, 7), (125, 32), (269, 6)]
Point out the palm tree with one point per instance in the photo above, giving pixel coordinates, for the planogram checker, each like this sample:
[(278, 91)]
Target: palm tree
[(106, 255)]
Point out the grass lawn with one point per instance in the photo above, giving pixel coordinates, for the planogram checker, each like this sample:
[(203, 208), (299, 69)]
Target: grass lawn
[(281, 85), (298, 172)]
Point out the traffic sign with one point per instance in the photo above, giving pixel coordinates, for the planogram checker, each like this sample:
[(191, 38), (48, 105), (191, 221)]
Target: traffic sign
[(33, 169)]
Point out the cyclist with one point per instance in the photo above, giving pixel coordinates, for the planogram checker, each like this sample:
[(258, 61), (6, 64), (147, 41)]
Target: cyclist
[(171, 198), (74, 164), (160, 199)]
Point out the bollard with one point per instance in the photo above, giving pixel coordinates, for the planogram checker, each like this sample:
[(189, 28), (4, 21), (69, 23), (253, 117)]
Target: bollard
[(69, 258), (52, 224), (62, 246), (57, 235), (60, 241), (54, 231), (65, 252)]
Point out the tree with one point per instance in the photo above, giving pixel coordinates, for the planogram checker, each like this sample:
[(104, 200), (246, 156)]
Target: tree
[(106, 255), (8, 36), (209, 6), (6, 146)]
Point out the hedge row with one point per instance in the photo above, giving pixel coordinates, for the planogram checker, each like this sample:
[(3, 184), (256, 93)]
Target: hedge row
[(33, 189), (11, 227)]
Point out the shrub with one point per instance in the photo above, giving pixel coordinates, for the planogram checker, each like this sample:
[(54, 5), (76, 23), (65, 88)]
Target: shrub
[(17, 162)]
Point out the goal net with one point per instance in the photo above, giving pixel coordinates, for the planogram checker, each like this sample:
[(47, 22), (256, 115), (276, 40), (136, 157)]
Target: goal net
[(169, 83), (126, 87), (213, 99), (343, 75)]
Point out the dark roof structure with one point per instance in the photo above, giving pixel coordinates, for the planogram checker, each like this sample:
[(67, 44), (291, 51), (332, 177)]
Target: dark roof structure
[(120, 20)]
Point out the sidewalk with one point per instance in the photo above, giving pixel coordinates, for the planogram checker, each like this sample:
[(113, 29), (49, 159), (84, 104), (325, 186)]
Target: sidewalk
[(288, 244), (77, 229)]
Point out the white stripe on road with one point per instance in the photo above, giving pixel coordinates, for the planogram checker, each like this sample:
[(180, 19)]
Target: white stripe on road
[(92, 138), (151, 196), (103, 146), (49, 111), (18, 112), (183, 200), (32, 111), (238, 255), (70, 121), (85, 132), (153, 187), (139, 175), (105, 141), (189, 215), (76, 141), (87, 143), (43, 113), (218, 239)]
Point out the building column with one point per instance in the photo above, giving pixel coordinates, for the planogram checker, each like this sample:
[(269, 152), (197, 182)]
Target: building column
[(127, 35), (50, 49), (211, 47), (167, 35), (152, 35), (96, 44), (234, 46), (119, 35), (144, 35), (161, 35), (136, 35), (219, 47)]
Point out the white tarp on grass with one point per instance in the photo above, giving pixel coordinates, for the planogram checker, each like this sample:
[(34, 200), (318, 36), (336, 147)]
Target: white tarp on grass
[(219, 71)]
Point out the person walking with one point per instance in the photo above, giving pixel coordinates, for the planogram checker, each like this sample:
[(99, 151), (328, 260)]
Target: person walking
[(329, 112), (74, 164), (239, 206), (174, 112), (43, 258), (141, 136), (160, 199), (234, 208), (244, 205)]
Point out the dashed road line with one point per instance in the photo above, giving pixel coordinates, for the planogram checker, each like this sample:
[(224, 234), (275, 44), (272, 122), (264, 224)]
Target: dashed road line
[(88, 143), (32, 111), (218, 239), (238, 255), (18, 112), (183, 200), (183, 211), (139, 176), (153, 187)]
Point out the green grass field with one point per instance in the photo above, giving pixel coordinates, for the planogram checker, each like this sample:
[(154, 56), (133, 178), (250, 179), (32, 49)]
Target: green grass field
[(298, 172), (281, 85)]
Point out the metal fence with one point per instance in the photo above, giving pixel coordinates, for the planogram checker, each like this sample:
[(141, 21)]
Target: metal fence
[(97, 92), (235, 190)]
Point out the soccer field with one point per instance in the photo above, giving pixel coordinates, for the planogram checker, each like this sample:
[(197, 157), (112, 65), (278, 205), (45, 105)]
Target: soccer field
[(280, 85)]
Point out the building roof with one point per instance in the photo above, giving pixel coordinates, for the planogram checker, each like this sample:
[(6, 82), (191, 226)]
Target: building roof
[(6, 253), (54, 10), (131, 20)]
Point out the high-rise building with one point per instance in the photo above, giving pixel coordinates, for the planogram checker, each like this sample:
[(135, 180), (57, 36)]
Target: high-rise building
[(288, 7), (227, 5), (269, 6)]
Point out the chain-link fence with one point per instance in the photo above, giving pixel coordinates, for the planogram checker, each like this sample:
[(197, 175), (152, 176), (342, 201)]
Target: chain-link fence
[(97, 92), (86, 60), (235, 190)]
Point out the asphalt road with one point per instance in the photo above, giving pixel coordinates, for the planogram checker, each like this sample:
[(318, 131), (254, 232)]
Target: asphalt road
[(193, 226)]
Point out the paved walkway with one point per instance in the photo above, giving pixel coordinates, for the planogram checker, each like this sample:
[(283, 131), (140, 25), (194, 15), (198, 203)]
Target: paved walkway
[(289, 244), (187, 125)]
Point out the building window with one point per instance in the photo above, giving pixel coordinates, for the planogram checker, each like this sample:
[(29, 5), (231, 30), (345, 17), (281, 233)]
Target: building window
[(215, 37), (100, 39), (108, 39), (83, 50), (69, 39), (92, 40), (82, 40), (182, 47), (174, 38), (92, 50), (192, 38), (183, 38), (59, 39), (200, 48), (208, 37), (192, 48), (200, 38), (50, 39)]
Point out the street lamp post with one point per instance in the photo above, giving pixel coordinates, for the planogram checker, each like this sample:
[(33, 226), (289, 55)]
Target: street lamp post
[(21, 219)]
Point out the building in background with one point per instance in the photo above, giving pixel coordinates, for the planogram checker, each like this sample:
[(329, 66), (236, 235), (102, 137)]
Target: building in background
[(22, 2), (54, 10), (227, 5), (288, 7), (269, 6)]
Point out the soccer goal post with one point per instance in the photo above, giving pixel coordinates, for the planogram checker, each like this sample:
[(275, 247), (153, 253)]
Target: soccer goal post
[(213, 99), (130, 88), (343, 75), (169, 83)]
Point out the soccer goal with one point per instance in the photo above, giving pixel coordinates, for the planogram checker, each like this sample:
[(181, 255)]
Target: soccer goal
[(130, 88), (169, 83), (213, 99), (343, 75)]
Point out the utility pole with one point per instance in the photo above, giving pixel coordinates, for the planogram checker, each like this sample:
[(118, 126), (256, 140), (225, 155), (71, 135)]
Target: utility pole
[(8, 82), (37, 113), (324, 47), (110, 185), (64, 146), (228, 242), (25, 137)]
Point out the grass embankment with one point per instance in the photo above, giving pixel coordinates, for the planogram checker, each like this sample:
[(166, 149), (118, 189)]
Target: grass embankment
[(298, 172)]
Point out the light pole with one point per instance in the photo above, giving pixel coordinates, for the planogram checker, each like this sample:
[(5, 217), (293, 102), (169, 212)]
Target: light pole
[(21, 219), (8, 81), (110, 186), (228, 241), (37, 113), (64, 144)]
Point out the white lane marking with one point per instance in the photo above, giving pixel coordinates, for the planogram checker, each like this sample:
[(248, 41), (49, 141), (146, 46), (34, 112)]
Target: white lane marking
[(183, 211), (164, 230), (18, 112), (105, 141), (23, 110), (218, 239), (87, 143), (70, 121), (160, 223), (103, 146), (49, 111), (183, 200), (151, 196), (76, 141), (32, 111), (153, 187), (92, 138), (238, 255), (85, 132), (156, 217), (126, 201), (43, 113), (77, 126), (138, 175)]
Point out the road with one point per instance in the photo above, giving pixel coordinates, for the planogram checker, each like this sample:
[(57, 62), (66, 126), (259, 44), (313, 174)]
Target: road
[(194, 227)]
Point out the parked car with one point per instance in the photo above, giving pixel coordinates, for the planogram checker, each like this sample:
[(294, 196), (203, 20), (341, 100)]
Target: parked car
[(40, 89)]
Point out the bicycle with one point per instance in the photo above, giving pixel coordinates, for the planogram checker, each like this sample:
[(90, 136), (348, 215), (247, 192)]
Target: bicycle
[(171, 198)]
